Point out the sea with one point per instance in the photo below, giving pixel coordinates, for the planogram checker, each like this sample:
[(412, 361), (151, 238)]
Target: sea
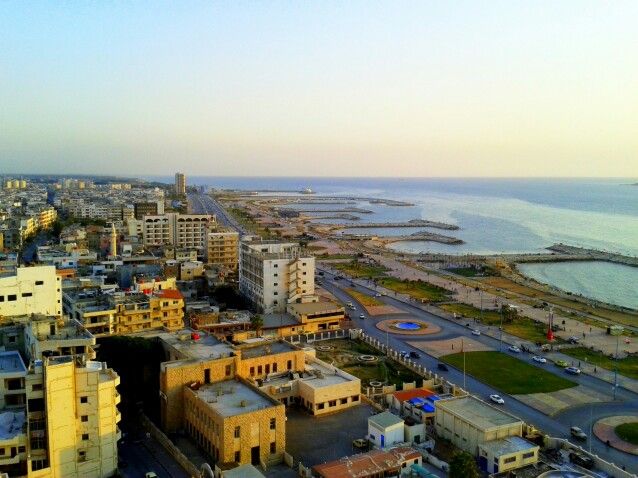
[(495, 216)]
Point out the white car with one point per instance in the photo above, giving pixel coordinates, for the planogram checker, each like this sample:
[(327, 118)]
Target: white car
[(514, 348), (362, 316), (377, 295), (476, 332), (497, 399), (538, 359)]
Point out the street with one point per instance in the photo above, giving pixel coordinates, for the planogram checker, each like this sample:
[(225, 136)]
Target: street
[(204, 204), (558, 426)]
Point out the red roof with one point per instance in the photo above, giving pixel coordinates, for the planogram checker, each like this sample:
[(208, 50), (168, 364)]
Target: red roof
[(414, 393), (170, 294)]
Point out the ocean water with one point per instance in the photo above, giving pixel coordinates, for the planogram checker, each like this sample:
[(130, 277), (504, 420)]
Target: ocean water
[(494, 215), (612, 283)]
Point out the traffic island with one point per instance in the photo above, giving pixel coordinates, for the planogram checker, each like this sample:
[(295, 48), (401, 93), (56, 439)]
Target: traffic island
[(608, 429)]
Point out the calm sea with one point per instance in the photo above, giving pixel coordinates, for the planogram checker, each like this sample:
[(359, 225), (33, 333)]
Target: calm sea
[(494, 215)]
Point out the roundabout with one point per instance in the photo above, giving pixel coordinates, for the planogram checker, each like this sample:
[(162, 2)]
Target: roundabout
[(407, 327), (608, 430)]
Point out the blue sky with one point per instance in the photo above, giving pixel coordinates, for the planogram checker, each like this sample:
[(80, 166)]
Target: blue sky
[(494, 88)]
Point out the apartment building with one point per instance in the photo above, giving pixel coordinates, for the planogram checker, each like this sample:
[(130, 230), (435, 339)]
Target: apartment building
[(180, 184), (30, 290), (222, 249), (153, 208), (179, 230), (273, 274), (105, 314), (59, 408)]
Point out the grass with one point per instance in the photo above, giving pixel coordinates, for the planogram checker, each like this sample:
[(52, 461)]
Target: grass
[(471, 271), (328, 257), (522, 327), (246, 220), (508, 374), (363, 299), (628, 432), (344, 355), (361, 269), (627, 366), (417, 289)]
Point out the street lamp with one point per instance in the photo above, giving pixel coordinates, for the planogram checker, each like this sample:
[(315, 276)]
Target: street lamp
[(616, 330)]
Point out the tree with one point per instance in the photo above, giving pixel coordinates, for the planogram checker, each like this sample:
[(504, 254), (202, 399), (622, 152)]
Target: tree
[(257, 322), (463, 466), (509, 313)]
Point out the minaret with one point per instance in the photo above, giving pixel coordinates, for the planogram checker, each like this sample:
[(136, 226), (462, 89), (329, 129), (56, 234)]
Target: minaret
[(113, 249)]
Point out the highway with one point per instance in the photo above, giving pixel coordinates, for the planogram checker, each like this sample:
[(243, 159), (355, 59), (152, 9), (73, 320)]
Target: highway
[(204, 204), (557, 426)]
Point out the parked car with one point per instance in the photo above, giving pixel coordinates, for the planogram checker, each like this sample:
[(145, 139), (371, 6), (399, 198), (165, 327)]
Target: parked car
[(442, 367), (561, 363), (577, 432), (514, 348), (573, 370), (497, 399), (415, 355), (476, 332), (581, 460), (403, 353), (539, 359), (377, 295), (150, 474), (573, 339), (361, 316)]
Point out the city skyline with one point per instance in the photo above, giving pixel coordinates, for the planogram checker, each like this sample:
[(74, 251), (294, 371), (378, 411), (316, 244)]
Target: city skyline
[(383, 90)]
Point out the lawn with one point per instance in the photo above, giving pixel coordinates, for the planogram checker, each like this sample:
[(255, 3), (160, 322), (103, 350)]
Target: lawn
[(508, 374), (361, 269), (628, 432), (522, 327), (246, 220), (363, 299), (471, 271), (627, 366), (417, 289), (344, 355)]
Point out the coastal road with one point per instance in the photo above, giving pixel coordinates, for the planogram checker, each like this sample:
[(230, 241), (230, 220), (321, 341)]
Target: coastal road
[(204, 204), (558, 426)]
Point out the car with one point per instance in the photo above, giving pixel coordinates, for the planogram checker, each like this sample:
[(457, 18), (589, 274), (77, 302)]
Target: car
[(150, 474), (577, 432), (514, 348), (442, 367), (361, 316), (320, 273), (581, 460), (539, 359), (403, 353), (497, 399), (573, 339), (476, 332), (573, 370), (415, 355), (561, 363), (360, 443)]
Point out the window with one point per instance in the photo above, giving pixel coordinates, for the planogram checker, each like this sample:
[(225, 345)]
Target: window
[(39, 282), (320, 406), (267, 368), (252, 371), (84, 399), (12, 297), (273, 447), (84, 418), (228, 370), (289, 365), (1, 451), (275, 293), (237, 456), (237, 431), (1, 298), (81, 455), (27, 294), (274, 366), (275, 284), (528, 455), (511, 459), (207, 375), (85, 436), (332, 403), (343, 401), (276, 265), (259, 370), (355, 398), (273, 423)]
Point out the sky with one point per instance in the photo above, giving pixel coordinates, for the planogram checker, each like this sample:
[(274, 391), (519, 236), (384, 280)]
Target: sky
[(359, 88)]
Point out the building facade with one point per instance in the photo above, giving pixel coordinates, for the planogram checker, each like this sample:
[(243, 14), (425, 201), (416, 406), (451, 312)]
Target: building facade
[(222, 249), (179, 230), (31, 290), (180, 184)]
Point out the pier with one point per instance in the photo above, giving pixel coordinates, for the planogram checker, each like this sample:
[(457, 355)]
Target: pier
[(417, 223)]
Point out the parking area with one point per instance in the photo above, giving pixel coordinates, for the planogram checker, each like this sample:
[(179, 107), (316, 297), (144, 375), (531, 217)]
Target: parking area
[(313, 440)]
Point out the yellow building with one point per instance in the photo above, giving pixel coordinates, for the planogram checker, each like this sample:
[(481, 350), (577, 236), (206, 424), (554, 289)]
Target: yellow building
[(118, 314), (222, 249), (63, 405)]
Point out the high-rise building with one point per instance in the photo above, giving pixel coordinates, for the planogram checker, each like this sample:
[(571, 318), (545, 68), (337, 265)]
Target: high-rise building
[(146, 209), (222, 249), (58, 407), (180, 184), (273, 274), (179, 230)]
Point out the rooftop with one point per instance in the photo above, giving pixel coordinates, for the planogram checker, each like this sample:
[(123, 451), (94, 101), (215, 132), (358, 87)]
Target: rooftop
[(367, 464), (11, 363), (231, 398), (312, 308), (273, 321), (404, 395), (507, 446), (207, 347), (385, 420), (478, 413), (268, 348), (243, 471)]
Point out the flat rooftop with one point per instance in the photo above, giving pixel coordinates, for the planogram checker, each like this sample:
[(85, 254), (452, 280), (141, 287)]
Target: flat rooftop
[(478, 413), (319, 374), (11, 363), (507, 446), (313, 308), (231, 398), (205, 348), (269, 348), (385, 419), (273, 321)]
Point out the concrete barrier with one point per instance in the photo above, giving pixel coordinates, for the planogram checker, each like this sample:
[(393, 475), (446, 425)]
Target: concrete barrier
[(610, 468)]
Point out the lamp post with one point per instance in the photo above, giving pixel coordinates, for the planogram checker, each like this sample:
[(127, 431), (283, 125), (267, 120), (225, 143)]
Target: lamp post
[(500, 340), (616, 330)]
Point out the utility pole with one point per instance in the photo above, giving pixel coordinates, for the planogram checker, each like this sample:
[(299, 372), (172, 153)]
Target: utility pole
[(463, 350), (617, 331), (500, 340)]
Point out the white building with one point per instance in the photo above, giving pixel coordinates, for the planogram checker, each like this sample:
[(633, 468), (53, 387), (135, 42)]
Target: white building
[(274, 274), (385, 429), (31, 290), (180, 230)]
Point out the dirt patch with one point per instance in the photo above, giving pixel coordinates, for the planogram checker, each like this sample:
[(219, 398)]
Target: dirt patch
[(438, 348)]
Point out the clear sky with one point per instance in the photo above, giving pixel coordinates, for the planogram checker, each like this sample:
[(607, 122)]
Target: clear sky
[(369, 88)]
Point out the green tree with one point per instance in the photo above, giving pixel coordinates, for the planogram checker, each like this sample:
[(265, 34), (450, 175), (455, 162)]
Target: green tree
[(463, 466), (257, 322), (509, 313)]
